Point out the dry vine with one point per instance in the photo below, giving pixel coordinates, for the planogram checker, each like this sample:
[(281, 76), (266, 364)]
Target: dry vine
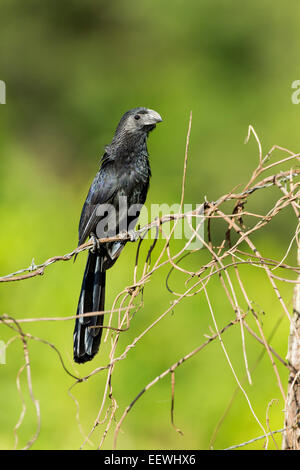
[(226, 259)]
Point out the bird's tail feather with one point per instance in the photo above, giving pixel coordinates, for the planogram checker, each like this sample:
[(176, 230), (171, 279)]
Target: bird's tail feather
[(92, 297)]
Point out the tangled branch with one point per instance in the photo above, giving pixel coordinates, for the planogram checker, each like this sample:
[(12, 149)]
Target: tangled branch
[(237, 249)]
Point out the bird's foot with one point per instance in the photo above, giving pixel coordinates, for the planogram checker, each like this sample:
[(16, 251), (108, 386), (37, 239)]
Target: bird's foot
[(133, 236), (123, 235), (96, 243)]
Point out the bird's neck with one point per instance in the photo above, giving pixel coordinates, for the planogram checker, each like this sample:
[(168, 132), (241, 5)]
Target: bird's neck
[(126, 144)]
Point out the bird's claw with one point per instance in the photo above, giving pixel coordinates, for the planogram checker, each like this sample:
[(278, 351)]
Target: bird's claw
[(133, 236), (96, 244)]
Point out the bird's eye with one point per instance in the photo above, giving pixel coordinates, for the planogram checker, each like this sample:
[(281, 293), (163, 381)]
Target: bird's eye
[(137, 117)]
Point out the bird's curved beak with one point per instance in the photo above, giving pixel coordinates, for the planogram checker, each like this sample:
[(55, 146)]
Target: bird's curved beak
[(152, 117)]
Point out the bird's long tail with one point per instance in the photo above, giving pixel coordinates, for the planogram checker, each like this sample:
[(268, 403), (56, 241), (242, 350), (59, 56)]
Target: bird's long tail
[(92, 297)]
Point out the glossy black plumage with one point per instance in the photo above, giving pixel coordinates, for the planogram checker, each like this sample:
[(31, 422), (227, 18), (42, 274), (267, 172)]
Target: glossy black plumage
[(124, 174)]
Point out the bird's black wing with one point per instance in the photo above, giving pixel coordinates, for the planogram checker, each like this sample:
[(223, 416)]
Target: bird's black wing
[(102, 190)]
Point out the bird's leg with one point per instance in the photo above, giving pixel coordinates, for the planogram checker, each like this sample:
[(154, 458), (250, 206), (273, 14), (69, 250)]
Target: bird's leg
[(96, 243)]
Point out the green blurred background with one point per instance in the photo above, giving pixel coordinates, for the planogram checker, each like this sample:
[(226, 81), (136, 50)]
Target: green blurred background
[(71, 70)]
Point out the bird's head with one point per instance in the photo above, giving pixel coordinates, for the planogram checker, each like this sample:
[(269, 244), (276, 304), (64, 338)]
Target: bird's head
[(138, 120)]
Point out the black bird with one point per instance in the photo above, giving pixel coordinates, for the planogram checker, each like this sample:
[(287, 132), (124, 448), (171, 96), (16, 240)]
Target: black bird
[(113, 204)]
